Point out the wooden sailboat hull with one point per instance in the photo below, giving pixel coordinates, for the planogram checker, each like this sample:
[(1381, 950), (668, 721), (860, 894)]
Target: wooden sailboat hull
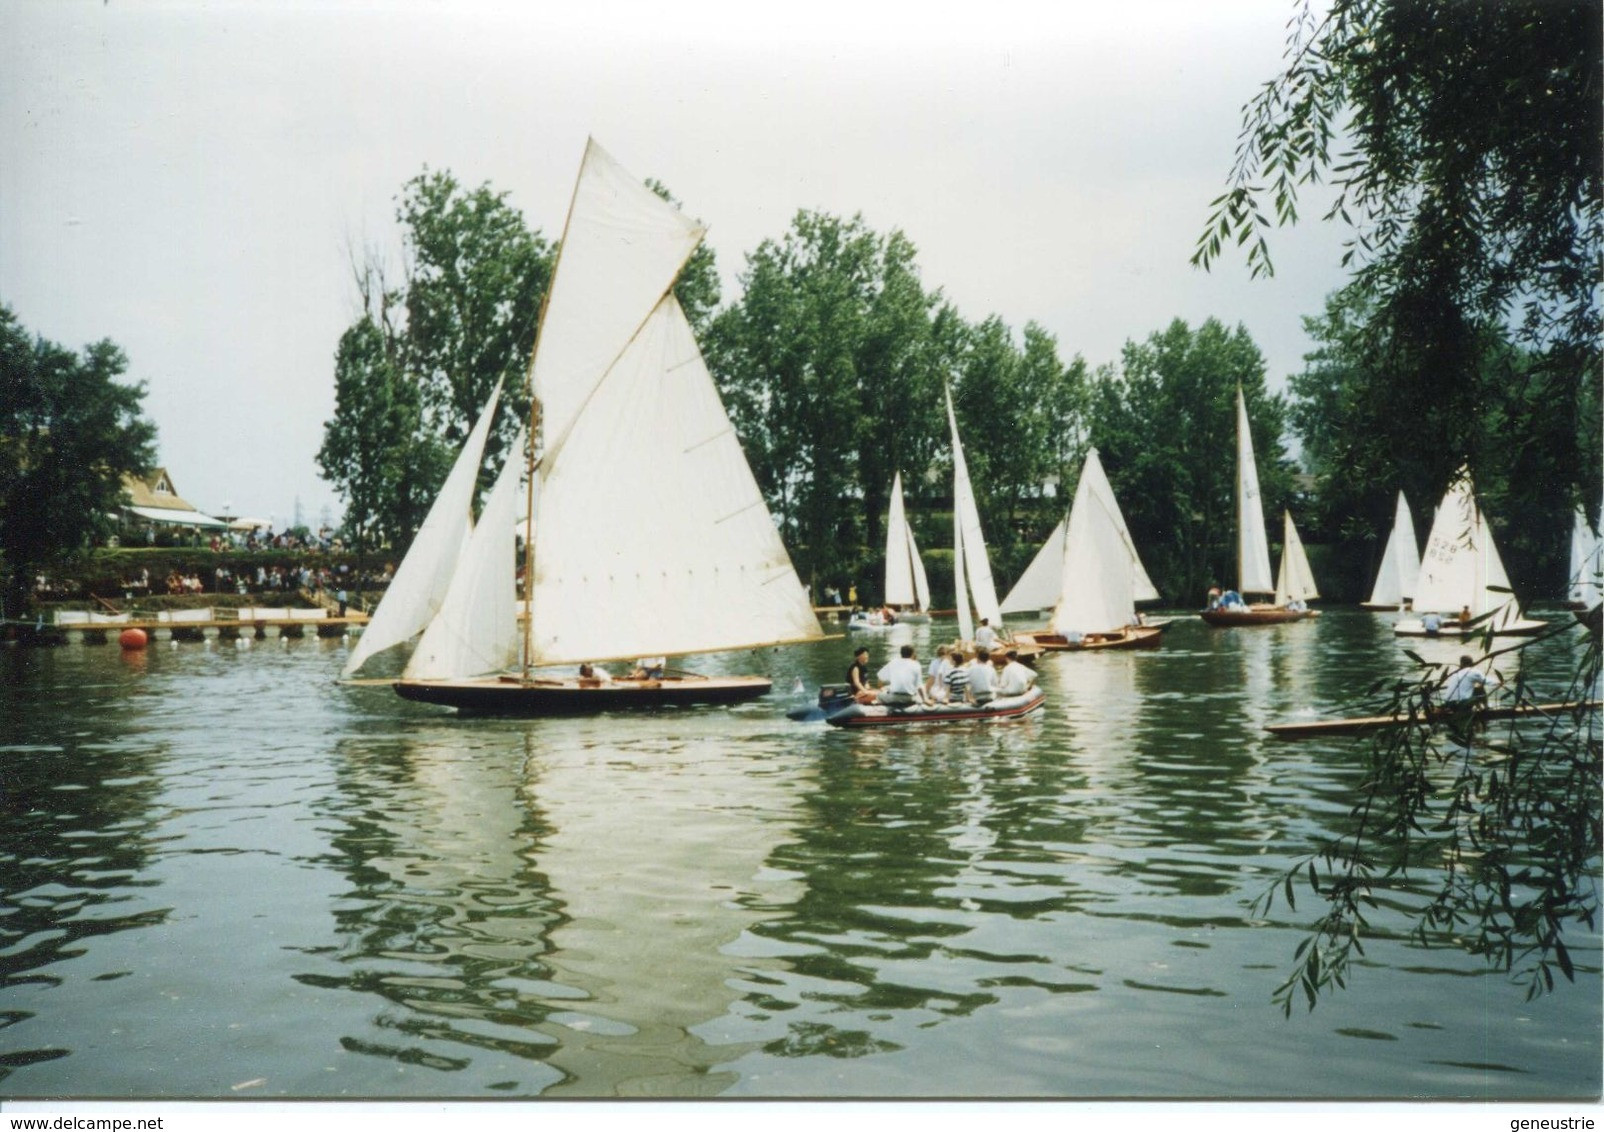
[(1236, 618), (1362, 724), (1521, 628), (1144, 637), (874, 715), (537, 697)]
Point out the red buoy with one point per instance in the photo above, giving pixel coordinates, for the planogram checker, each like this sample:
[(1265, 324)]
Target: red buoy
[(133, 640)]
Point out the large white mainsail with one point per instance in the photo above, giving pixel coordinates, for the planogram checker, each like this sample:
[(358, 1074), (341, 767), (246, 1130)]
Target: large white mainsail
[(1294, 581), (476, 630), (1461, 568), (1097, 578), (420, 583), (1587, 561), (969, 544), (1252, 544), (653, 536), (906, 581), (1399, 572)]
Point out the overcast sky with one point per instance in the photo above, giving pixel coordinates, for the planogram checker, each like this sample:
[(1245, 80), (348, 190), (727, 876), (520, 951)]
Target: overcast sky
[(188, 179)]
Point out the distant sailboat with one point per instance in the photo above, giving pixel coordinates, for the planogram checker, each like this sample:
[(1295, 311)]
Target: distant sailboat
[(1462, 577), (678, 557), (907, 586), (971, 566), (1294, 581), (1253, 547), (1587, 562), (1400, 564), (1098, 575), (1039, 586)]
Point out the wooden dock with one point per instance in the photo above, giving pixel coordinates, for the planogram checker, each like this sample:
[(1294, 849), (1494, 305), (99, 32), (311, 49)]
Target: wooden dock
[(247, 622)]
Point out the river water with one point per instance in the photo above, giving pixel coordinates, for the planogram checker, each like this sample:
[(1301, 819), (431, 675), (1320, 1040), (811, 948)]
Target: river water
[(222, 874)]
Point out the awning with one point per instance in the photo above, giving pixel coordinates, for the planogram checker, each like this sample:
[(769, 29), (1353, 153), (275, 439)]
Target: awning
[(251, 524), (177, 518)]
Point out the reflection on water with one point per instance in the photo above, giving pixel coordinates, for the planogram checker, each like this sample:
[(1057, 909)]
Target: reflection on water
[(225, 875)]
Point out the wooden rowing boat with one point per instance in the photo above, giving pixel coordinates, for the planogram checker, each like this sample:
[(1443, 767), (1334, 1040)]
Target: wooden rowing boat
[(1144, 637), (1362, 724)]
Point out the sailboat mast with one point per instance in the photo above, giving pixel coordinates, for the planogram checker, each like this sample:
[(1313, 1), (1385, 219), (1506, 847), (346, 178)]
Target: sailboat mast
[(534, 431)]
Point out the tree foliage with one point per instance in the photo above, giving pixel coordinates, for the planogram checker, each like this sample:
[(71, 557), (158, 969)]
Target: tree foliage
[(69, 433), (1481, 836), (833, 365), (1462, 143), (1164, 425)]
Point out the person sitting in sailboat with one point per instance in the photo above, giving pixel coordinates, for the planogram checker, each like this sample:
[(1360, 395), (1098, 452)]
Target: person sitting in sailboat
[(593, 676), (1467, 686), (985, 636), (649, 668), (1432, 623), (1214, 597), (901, 678), (1230, 599)]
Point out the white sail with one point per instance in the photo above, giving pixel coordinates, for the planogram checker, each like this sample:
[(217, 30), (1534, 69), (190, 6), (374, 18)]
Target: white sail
[(476, 630), (904, 570), (921, 579), (653, 537), (622, 248), (1295, 581), (971, 542), (1038, 587), (419, 586), (1587, 561), (1252, 544), (1097, 577), (1461, 568), (1143, 588), (1399, 572)]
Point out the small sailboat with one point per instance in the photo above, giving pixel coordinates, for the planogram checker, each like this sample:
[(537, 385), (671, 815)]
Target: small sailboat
[(971, 566), (1400, 564), (907, 589), (1039, 587), (1462, 578), (650, 537), (1098, 575), (1253, 549)]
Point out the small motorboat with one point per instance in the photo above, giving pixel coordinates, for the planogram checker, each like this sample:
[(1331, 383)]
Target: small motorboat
[(854, 714)]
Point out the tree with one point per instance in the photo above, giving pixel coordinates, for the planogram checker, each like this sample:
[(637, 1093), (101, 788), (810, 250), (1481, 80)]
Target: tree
[(1164, 425), (69, 433), (1472, 185), (475, 278), (830, 366), (375, 449)]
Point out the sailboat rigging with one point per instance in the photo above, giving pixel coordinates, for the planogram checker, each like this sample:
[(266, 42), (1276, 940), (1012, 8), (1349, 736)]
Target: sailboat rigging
[(649, 536)]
